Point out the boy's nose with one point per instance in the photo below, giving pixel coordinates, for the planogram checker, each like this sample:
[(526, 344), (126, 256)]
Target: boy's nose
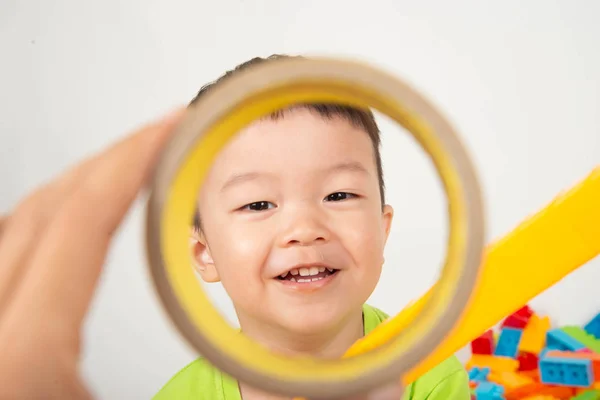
[(304, 230)]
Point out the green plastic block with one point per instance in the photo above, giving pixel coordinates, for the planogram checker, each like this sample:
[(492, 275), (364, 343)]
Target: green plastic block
[(583, 337), (588, 395)]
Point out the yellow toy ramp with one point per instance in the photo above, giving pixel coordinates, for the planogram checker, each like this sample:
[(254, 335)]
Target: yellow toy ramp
[(533, 257)]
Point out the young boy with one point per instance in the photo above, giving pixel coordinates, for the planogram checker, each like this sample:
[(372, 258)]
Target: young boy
[(292, 220)]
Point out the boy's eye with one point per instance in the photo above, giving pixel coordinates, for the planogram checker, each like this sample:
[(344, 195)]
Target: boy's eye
[(258, 206), (339, 196)]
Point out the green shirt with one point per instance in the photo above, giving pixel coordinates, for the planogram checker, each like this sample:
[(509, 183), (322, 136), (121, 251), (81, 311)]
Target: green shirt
[(202, 381)]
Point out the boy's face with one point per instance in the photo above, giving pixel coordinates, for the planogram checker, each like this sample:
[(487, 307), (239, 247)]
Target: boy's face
[(292, 222)]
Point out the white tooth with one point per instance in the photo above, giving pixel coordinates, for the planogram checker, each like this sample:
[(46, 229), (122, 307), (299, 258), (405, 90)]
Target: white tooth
[(304, 272), (321, 269), (284, 275), (303, 280), (318, 278), (314, 270), (330, 269), (294, 272), (293, 279)]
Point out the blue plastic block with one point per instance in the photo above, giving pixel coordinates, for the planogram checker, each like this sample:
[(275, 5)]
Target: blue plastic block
[(489, 391), (543, 352), (477, 374), (593, 327), (556, 339), (566, 372), (508, 342)]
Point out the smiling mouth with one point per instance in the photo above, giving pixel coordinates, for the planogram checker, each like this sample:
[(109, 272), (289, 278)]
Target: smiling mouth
[(305, 275)]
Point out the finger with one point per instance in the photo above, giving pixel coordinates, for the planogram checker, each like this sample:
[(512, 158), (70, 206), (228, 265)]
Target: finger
[(28, 224), (60, 282), (3, 221)]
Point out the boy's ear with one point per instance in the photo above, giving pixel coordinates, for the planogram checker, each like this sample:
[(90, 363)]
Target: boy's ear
[(202, 259), (387, 216)]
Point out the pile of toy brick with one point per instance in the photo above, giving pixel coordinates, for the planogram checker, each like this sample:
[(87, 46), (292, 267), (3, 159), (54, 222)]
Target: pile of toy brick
[(528, 359)]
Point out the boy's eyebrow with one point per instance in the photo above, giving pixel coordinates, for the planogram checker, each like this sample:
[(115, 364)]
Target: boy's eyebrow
[(352, 166), (240, 178), (235, 179)]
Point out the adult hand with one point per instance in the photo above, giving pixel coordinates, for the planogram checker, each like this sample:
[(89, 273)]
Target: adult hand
[(52, 249)]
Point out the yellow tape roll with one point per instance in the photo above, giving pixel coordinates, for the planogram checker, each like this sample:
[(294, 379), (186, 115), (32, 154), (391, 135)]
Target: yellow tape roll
[(212, 122)]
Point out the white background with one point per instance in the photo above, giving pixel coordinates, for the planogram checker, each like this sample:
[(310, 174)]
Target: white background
[(519, 80)]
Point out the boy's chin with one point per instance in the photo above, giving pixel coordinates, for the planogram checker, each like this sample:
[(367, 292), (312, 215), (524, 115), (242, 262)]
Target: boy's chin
[(315, 322)]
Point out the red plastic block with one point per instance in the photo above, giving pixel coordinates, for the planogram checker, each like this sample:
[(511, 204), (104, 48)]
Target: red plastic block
[(519, 318), (484, 344), (527, 361), (585, 350)]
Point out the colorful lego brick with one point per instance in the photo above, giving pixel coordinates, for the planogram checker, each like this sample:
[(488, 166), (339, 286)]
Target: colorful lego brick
[(533, 374), (560, 392), (543, 352), (484, 344), (583, 355), (489, 391), (478, 374), (582, 337), (570, 372), (510, 380), (585, 350), (508, 342), (518, 319), (558, 339), (533, 339), (495, 363), (587, 395), (527, 361), (593, 357), (540, 389), (593, 327)]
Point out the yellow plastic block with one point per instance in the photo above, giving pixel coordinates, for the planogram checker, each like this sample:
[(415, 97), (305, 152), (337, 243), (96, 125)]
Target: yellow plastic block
[(494, 363), (510, 380), (534, 334), (540, 252)]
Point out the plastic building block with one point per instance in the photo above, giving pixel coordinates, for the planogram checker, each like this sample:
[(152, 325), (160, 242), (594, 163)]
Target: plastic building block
[(527, 361), (540, 397), (588, 395), (494, 363), (585, 350), (571, 372), (582, 337), (484, 344), (533, 374), (557, 339), (533, 339), (593, 327), (508, 342), (489, 391), (477, 374), (593, 357), (540, 389), (582, 355), (560, 392), (518, 319), (510, 380)]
